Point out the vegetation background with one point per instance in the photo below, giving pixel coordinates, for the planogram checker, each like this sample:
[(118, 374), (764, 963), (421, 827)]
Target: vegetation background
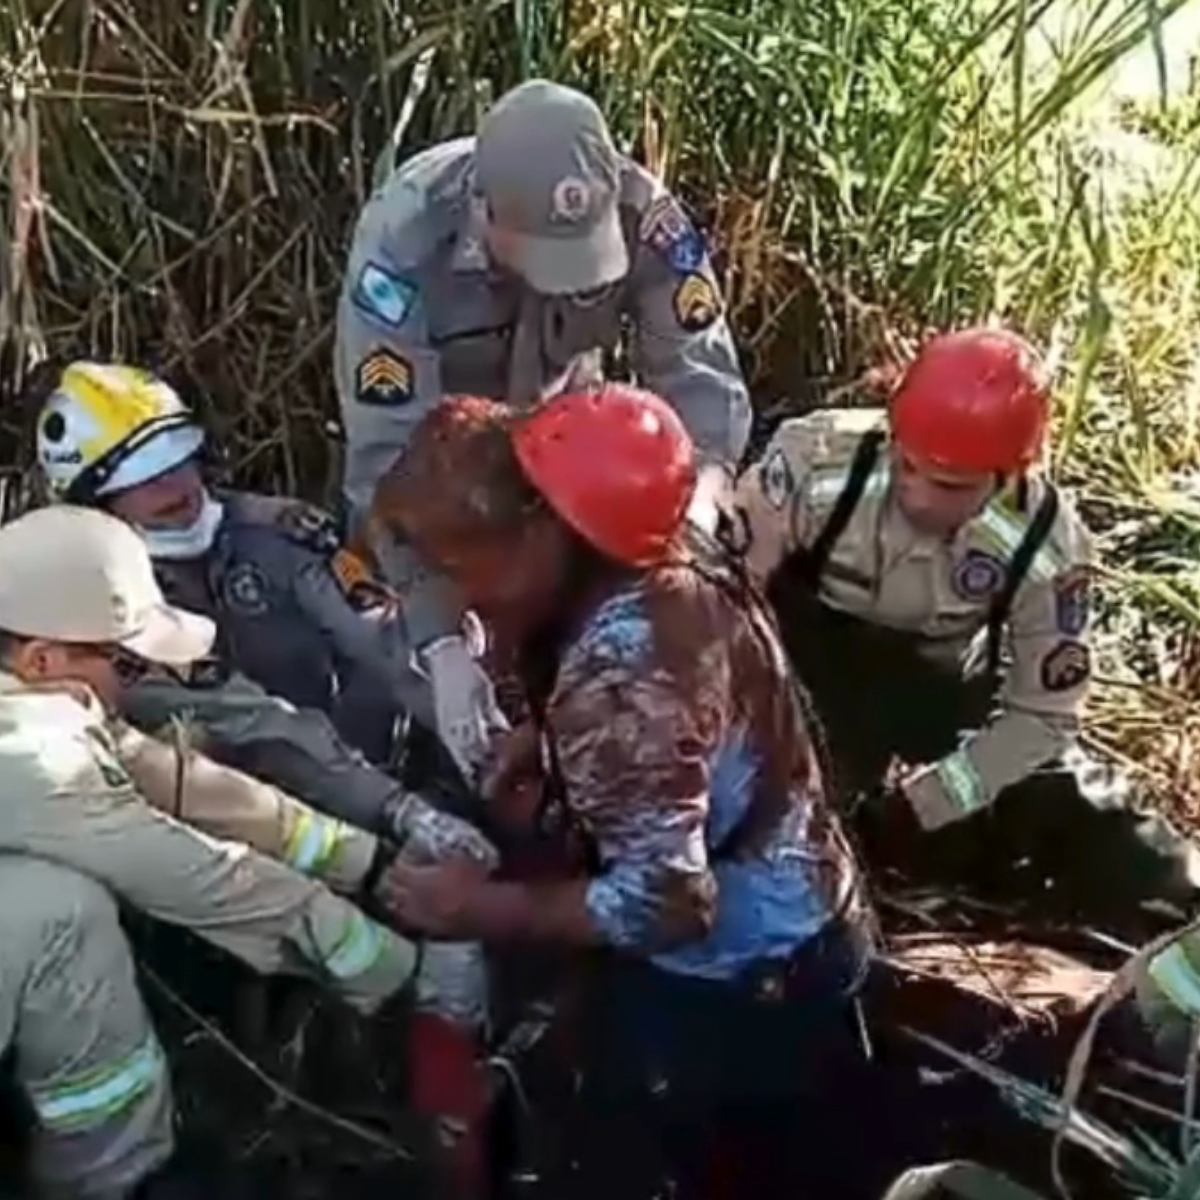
[(178, 180)]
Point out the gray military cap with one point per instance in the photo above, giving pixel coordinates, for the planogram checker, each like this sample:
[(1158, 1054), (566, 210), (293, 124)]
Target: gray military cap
[(547, 167)]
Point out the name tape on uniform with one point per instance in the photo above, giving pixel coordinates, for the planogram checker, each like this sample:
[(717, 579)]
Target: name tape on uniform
[(696, 303), (383, 295), (1066, 666), (384, 379)]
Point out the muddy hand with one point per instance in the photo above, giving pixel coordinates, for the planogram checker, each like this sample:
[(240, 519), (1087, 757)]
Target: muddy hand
[(439, 900)]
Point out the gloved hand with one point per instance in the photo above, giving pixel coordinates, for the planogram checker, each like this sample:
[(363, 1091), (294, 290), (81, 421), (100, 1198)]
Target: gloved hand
[(426, 835), (468, 717)]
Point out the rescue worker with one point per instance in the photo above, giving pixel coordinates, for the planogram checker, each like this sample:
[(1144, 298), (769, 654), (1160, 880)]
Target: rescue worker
[(506, 265), (295, 613), (296, 622), (80, 612), (893, 544), (722, 912)]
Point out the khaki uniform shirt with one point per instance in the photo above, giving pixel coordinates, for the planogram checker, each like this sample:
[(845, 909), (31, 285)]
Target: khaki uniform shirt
[(68, 798), (939, 590), (177, 779), (423, 313)]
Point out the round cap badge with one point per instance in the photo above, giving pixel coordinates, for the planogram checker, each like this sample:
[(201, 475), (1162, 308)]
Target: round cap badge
[(978, 575), (570, 200)]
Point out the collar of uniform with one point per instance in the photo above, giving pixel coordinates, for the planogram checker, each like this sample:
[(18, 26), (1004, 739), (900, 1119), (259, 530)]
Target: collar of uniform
[(1003, 505), (65, 692), (1002, 525), (252, 508), (895, 530), (470, 255), (966, 536)]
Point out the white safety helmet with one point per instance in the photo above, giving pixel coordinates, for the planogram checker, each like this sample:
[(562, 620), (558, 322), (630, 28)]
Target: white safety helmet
[(108, 428)]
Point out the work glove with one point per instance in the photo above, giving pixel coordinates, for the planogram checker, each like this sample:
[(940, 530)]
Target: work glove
[(427, 836), (464, 701)]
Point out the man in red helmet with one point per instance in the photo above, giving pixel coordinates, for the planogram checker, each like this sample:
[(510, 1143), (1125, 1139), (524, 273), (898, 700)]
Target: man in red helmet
[(719, 904), (902, 550)]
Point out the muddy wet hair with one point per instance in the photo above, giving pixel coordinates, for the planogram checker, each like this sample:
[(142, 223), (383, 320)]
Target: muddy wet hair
[(458, 482)]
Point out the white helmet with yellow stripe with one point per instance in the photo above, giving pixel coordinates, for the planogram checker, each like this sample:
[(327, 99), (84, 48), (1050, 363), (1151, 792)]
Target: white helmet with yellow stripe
[(107, 428)]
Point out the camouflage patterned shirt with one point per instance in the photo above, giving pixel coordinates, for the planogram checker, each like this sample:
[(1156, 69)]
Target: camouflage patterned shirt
[(675, 724)]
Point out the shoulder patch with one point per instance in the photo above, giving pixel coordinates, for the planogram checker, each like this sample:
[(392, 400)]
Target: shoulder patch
[(384, 379), (1066, 666), (670, 233), (696, 303), (1073, 600), (776, 480), (360, 587), (245, 590), (978, 575), (383, 295), (311, 527)]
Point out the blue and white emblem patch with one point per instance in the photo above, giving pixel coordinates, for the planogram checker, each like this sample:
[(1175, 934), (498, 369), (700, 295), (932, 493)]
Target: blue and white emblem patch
[(383, 295)]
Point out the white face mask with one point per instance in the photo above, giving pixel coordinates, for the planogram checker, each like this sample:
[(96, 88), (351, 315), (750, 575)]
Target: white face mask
[(189, 541)]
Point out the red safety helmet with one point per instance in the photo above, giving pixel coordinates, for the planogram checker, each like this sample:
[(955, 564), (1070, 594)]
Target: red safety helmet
[(616, 464), (975, 400)]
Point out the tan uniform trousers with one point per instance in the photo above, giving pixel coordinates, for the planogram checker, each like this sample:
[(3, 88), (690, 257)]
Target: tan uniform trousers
[(86, 1054)]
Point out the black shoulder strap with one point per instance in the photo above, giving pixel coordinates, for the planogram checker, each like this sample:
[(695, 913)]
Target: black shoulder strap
[(1018, 568), (810, 561)]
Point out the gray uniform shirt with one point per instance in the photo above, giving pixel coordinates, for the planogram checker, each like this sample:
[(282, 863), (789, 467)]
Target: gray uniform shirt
[(424, 313)]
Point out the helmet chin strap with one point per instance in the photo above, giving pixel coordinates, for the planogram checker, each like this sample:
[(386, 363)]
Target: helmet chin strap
[(188, 541)]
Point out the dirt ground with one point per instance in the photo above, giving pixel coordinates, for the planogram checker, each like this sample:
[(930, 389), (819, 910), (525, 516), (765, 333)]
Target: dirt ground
[(1009, 994)]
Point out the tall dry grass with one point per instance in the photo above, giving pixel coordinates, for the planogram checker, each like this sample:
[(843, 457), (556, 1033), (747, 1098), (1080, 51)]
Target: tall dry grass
[(178, 182)]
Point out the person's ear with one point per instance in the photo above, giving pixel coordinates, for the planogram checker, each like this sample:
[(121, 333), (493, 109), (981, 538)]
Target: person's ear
[(31, 659)]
